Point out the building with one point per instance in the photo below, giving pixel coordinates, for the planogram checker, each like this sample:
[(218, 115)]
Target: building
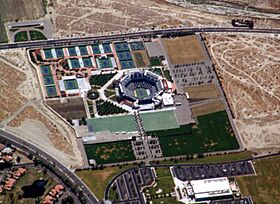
[(203, 190)]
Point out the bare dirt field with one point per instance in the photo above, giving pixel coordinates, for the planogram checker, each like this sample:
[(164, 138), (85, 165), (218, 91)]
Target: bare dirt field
[(56, 138), (207, 108), (204, 91), (141, 58), (184, 50), (12, 10), (95, 16), (71, 109), (248, 67), (10, 98)]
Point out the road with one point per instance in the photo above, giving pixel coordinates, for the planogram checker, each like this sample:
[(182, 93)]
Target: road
[(91, 39), (61, 169)]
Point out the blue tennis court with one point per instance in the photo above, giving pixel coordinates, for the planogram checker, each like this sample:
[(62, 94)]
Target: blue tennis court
[(59, 52), (71, 84), (83, 50), (104, 63), (121, 46), (51, 91), (75, 63), (48, 80), (124, 56), (137, 46), (48, 53), (127, 64), (95, 49), (46, 70), (72, 51), (107, 47), (87, 62)]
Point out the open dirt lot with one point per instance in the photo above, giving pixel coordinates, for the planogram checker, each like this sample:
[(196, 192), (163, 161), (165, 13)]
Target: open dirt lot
[(57, 138), (72, 109), (95, 16), (211, 107), (10, 98), (205, 91), (184, 50), (248, 67), (12, 10)]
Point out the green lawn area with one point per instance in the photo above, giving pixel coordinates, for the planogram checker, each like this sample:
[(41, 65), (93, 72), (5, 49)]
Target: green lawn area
[(21, 36), (3, 34), (213, 133), (213, 159), (97, 180), (30, 176), (100, 80), (166, 200), (265, 187), (155, 61), (110, 152), (37, 35), (159, 120), (112, 124)]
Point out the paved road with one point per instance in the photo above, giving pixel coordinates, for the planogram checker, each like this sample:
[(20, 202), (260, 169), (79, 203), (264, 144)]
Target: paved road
[(83, 40), (61, 169)]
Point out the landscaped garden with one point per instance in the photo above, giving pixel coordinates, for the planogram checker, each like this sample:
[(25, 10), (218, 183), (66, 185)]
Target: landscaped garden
[(100, 80), (108, 108)]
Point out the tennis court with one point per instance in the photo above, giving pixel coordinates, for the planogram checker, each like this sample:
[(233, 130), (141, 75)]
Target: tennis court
[(48, 53), (83, 50), (104, 63), (51, 91), (135, 46), (113, 124), (46, 70), (123, 56), (48, 80), (121, 46), (159, 120), (95, 49), (71, 84), (107, 47), (141, 93), (59, 52), (127, 64), (87, 62), (75, 63), (72, 51)]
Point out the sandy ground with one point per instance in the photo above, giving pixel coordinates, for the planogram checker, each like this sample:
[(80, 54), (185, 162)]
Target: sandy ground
[(248, 67), (83, 17), (20, 91)]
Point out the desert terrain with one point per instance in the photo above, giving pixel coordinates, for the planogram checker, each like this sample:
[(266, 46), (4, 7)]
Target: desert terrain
[(22, 110), (248, 68), (76, 18)]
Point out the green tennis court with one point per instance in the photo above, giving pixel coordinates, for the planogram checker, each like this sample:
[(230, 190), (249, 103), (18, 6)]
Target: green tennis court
[(159, 120), (141, 93), (71, 84), (113, 124)]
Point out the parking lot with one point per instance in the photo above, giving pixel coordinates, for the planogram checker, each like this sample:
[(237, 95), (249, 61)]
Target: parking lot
[(236, 201), (129, 185), (194, 172)]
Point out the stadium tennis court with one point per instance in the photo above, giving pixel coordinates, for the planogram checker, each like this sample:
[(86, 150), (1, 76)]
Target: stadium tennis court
[(159, 120), (113, 124)]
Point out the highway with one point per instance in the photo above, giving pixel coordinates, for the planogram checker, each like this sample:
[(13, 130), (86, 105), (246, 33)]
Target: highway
[(61, 169), (91, 39)]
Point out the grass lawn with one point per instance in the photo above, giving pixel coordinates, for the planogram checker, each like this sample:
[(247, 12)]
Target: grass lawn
[(37, 35), (21, 36), (265, 187), (110, 152), (100, 80), (164, 182), (213, 133), (166, 200), (214, 159), (97, 180), (30, 176)]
